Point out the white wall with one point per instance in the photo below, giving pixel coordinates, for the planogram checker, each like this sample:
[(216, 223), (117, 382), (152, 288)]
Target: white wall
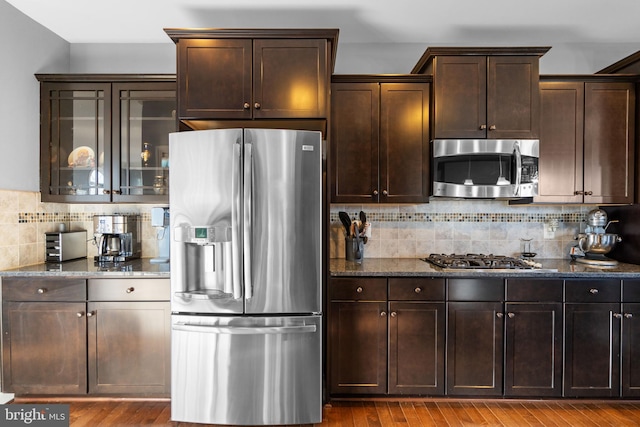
[(27, 48)]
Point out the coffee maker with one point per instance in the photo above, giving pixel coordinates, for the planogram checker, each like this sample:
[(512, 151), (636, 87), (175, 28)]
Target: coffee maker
[(117, 237)]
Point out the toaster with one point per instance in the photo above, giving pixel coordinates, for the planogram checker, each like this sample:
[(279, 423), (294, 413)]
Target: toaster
[(65, 245)]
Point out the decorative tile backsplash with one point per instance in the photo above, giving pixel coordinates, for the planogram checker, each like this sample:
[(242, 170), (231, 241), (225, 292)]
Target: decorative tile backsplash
[(465, 226), (24, 220)]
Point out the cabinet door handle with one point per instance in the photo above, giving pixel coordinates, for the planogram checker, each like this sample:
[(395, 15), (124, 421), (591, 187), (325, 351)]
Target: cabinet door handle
[(79, 314), (257, 105), (593, 291), (42, 290), (417, 290), (511, 315), (375, 192), (617, 315), (246, 105), (383, 313), (91, 313), (578, 193), (628, 315), (394, 314), (117, 192), (492, 127), (131, 289), (588, 193), (500, 315), (483, 127), (385, 193), (359, 289), (106, 191)]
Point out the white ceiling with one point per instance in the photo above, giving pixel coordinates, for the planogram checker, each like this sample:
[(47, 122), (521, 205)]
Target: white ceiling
[(454, 22)]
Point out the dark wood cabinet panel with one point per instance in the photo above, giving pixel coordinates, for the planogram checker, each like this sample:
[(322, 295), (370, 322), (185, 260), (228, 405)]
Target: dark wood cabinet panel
[(214, 78), (609, 132), (404, 143), (380, 142), (232, 78), (44, 347), (592, 350), (355, 131), (479, 96), (416, 348), (630, 349), (460, 97), (587, 144), (561, 142), (358, 347), (474, 348), (533, 349), (119, 330)]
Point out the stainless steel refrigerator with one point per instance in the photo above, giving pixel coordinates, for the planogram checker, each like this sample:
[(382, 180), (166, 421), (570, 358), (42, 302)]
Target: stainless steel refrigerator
[(246, 276)]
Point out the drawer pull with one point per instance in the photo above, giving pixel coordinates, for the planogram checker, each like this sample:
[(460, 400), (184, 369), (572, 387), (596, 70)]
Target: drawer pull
[(593, 291), (628, 315), (42, 290), (131, 289), (359, 289), (417, 290)]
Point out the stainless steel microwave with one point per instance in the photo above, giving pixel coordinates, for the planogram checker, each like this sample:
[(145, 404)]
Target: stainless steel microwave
[(485, 168)]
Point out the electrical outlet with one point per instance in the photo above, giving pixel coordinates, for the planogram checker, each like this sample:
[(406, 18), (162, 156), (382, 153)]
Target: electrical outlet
[(549, 231)]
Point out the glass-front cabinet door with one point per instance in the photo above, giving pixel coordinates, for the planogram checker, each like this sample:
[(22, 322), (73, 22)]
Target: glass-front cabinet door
[(105, 138), (75, 142), (146, 114)]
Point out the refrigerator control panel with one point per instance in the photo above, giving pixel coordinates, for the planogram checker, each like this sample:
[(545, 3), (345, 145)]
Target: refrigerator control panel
[(202, 235)]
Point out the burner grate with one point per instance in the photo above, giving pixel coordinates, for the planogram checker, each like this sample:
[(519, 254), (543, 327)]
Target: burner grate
[(477, 261)]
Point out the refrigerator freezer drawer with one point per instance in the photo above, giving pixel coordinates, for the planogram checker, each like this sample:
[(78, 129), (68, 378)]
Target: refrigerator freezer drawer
[(246, 370)]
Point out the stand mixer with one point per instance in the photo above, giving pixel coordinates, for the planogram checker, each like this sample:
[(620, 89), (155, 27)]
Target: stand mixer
[(595, 242)]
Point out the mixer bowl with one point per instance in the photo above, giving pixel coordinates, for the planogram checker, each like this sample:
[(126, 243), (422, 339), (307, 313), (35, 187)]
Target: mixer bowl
[(598, 243)]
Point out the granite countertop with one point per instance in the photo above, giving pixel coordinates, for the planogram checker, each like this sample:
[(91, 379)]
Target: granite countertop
[(410, 267), (87, 268)]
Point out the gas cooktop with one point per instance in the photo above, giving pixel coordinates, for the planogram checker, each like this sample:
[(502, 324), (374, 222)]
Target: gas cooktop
[(480, 261)]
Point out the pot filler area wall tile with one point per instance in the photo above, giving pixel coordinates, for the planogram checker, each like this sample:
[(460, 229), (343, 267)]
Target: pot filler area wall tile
[(489, 227), (24, 220)]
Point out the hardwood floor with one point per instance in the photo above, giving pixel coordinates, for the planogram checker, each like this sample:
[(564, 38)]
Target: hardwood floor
[(406, 413)]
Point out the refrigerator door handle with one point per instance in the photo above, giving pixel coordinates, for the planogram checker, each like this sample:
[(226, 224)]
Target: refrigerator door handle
[(248, 198), (245, 330), (236, 253)]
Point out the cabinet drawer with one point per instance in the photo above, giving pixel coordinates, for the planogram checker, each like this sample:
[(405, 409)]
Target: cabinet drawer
[(416, 289), (488, 289), (359, 289), (129, 289), (631, 291), (530, 289), (43, 289), (592, 290)]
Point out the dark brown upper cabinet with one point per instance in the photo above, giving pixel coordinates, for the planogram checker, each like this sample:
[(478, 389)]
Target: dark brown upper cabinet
[(253, 74), (380, 139), (105, 138), (483, 92), (587, 130)]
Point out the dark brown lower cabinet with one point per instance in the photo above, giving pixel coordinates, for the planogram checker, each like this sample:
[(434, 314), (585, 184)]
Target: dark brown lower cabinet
[(358, 334), (44, 348), (129, 351), (631, 349), (416, 348), (474, 348), (533, 349), (592, 350)]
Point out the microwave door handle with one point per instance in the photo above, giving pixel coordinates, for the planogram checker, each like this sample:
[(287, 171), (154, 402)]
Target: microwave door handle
[(247, 202), (236, 253), (516, 150)]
